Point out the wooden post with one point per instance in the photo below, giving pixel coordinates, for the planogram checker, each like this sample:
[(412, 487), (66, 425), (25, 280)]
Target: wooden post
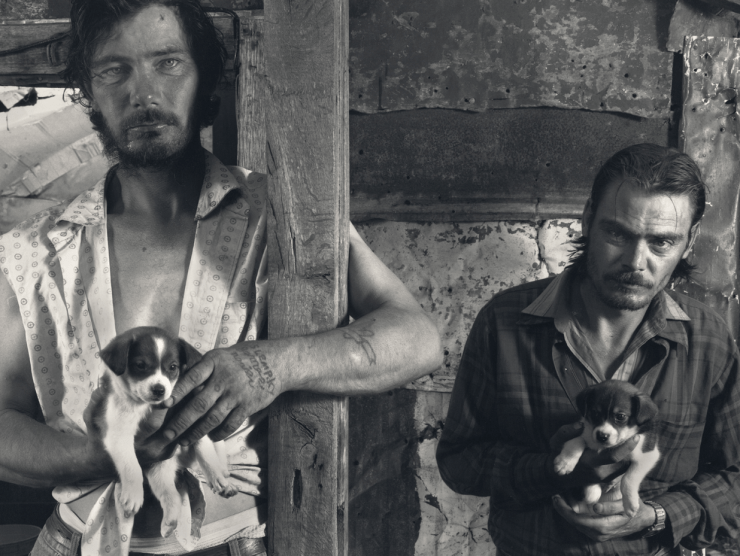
[(307, 111), (250, 94), (710, 134)]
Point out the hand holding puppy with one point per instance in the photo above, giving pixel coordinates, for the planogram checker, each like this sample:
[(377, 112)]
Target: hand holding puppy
[(234, 383), (593, 467), (608, 520)]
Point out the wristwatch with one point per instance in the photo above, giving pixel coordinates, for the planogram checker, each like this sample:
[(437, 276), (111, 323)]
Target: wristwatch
[(659, 524)]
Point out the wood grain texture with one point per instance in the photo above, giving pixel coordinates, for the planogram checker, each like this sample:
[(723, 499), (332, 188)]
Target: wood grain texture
[(710, 134), (250, 95), (306, 46)]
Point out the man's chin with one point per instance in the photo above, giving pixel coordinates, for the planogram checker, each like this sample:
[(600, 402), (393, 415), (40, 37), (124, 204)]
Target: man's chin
[(625, 302)]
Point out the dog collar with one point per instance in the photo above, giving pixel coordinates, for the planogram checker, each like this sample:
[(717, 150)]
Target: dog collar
[(659, 524)]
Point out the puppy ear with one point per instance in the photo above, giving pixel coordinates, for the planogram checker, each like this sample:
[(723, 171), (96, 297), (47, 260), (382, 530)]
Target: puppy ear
[(189, 356), (115, 354), (583, 400), (644, 408)]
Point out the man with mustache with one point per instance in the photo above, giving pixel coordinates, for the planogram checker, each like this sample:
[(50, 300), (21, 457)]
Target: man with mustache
[(610, 315), (170, 237)]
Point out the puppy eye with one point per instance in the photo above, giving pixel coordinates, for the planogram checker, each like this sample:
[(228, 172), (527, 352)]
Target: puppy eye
[(140, 365), (174, 366), (620, 417)]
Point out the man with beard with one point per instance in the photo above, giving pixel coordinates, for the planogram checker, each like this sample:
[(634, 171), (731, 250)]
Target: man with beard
[(609, 315), (170, 238)]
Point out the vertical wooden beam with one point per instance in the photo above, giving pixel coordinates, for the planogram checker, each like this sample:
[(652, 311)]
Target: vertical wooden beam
[(250, 93), (307, 111), (710, 134)]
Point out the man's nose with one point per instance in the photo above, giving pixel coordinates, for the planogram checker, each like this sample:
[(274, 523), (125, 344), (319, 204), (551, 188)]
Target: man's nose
[(635, 255), (145, 91)]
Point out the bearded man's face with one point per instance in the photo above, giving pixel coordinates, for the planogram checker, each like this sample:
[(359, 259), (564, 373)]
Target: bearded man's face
[(144, 87)]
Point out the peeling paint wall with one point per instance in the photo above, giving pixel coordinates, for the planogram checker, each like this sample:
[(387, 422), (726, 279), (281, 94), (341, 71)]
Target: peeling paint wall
[(453, 269)]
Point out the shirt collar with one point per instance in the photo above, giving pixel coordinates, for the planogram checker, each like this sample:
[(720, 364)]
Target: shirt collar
[(663, 315), (89, 208)]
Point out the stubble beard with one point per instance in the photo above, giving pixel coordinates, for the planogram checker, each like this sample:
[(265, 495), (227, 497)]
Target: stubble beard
[(155, 153), (612, 290)]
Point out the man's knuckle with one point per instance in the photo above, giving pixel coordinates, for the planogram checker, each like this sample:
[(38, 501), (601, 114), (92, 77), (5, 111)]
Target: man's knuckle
[(213, 419), (200, 405)]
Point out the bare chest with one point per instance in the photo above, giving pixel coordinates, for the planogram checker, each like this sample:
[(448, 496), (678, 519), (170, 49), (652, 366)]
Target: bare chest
[(148, 274)]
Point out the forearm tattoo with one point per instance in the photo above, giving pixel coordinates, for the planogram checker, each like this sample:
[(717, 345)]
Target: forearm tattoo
[(255, 366), (360, 337)]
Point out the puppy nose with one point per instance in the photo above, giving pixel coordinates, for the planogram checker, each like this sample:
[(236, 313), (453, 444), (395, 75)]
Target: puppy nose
[(602, 436), (157, 390)]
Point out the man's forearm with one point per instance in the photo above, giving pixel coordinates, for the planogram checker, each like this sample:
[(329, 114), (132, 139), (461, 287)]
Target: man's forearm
[(368, 356), (36, 455)]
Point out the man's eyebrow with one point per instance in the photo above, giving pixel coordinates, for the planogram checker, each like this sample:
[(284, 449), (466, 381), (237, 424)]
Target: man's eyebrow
[(613, 225), (115, 58)]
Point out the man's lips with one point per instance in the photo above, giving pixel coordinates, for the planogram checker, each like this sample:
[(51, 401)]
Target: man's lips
[(629, 283), (147, 126)]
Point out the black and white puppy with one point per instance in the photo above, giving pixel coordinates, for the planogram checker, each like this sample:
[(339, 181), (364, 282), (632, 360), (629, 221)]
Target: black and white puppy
[(613, 412), (143, 367)]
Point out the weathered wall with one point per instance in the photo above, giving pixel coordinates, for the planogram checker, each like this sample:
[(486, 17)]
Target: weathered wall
[(522, 101)]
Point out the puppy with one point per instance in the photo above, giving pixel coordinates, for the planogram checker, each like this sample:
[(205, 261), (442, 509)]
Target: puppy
[(143, 367), (613, 412)]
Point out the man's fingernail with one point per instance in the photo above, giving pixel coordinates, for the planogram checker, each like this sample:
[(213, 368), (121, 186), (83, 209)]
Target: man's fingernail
[(184, 442), (169, 434)]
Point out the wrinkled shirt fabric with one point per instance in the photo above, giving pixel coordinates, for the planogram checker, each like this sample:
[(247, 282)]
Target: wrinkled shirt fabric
[(58, 264), (517, 383)]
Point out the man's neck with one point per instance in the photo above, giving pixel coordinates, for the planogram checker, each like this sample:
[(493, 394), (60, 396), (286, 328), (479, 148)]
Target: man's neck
[(611, 326), (164, 193)]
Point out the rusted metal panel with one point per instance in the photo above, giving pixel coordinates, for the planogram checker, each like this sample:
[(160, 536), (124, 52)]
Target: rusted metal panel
[(710, 133), (691, 17), (445, 165), (481, 54)]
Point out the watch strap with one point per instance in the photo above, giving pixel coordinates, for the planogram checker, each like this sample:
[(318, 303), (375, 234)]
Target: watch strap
[(659, 524)]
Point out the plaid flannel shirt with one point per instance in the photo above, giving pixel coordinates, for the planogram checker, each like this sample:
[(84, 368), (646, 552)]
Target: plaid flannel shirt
[(517, 384)]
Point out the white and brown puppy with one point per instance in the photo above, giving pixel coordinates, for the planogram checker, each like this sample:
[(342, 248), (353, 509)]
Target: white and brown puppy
[(143, 367), (613, 412)]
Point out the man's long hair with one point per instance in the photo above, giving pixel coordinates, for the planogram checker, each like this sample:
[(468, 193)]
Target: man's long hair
[(93, 21), (658, 170)]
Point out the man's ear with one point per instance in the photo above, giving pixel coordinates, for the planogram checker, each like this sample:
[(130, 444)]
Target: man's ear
[(693, 232), (587, 217), (115, 354), (189, 356)]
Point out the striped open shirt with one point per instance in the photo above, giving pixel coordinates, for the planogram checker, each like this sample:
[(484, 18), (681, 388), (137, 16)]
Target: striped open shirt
[(517, 384)]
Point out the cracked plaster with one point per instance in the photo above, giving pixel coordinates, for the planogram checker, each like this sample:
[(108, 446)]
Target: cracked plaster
[(453, 269)]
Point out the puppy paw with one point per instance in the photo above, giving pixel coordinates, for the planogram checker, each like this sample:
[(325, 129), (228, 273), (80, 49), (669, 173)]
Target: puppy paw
[(592, 494), (564, 465), (168, 527), (631, 506), (224, 487), (131, 498)]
